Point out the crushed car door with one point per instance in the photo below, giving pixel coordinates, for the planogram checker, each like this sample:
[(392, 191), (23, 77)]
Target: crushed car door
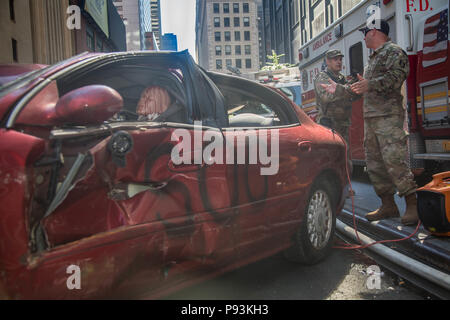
[(178, 204)]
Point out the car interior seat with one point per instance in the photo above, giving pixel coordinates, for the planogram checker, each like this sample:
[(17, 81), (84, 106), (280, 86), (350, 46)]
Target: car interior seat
[(154, 101)]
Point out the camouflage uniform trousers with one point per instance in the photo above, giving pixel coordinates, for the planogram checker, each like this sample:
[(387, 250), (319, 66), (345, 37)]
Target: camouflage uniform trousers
[(385, 144)]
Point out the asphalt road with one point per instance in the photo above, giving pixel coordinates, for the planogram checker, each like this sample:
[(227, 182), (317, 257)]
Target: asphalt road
[(342, 276)]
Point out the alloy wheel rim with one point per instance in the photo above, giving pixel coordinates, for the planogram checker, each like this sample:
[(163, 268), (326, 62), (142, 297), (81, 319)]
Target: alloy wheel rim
[(319, 219)]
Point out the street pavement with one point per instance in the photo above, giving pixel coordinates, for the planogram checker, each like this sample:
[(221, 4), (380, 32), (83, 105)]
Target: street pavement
[(342, 276)]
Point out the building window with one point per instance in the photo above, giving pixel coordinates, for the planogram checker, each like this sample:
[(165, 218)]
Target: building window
[(227, 35), (348, 5), (216, 7), (246, 22), (246, 8), (99, 45), (90, 41), (229, 62), (226, 8), (237, 50), (12, 11), (238, 63), (303, 8), (294, 11), (217, 22), (237, 36), (279, 26), (248, 49), (218, 64), (248, 63), (237, 22), (217, 36), (226, 22), (247, 35), (235, 7), (218, 50), (15, 52), (227, 50), (318, 22)]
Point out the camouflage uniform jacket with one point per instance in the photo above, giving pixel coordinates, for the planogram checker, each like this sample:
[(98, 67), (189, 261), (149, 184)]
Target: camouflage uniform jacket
[(386, 71), (337, 106)]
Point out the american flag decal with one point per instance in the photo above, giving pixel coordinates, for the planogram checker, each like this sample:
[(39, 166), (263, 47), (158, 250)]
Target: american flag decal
[(435, 39)]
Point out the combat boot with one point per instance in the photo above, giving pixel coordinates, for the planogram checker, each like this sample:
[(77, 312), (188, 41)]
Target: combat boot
[(388, 209), (410, 217)]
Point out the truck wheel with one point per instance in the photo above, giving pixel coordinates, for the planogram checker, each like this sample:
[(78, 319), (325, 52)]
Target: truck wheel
[(314, 239)]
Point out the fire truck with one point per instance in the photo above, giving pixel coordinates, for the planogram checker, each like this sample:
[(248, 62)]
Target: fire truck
[(420, 27)]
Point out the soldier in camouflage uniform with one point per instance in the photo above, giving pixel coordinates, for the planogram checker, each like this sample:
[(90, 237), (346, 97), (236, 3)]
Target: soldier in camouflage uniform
[(385, 140), (335, 108)]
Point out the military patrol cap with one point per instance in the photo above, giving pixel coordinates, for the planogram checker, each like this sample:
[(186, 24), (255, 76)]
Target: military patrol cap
[(333, 54), (384, 27)]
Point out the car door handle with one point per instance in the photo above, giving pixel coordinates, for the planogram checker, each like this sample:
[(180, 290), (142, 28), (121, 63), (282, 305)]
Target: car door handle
[(305, 146), (125, 191)]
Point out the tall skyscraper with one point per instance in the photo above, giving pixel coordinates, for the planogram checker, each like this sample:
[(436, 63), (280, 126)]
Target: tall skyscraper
[(140, 17), (145, 22), (155, 9), (227, 35)]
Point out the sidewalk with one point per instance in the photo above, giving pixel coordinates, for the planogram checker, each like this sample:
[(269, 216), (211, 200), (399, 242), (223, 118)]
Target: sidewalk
[(423, 246)]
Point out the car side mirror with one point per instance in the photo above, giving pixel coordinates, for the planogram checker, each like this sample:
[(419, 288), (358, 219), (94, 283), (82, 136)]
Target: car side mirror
[(92, 104)]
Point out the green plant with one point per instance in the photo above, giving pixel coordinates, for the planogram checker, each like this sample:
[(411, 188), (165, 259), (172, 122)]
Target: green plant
[(275, 62)]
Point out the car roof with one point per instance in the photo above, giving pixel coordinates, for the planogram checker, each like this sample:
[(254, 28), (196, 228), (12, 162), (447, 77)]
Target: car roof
[(13, 82), (11, 72), (15, 69)]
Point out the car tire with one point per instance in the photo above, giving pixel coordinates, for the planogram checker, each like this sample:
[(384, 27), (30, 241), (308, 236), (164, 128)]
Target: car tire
[(314, 239)]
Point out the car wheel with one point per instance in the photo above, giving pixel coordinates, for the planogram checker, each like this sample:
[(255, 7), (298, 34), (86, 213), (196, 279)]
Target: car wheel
[(314, 239)]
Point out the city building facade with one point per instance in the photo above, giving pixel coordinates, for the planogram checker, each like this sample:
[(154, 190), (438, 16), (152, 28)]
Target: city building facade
[(141, 17), (145, 23), (169, 42), (37, 31), (260, 19), (227, 36), (282, 28), (289, 24), (155, 12), (101, 30), (28, 37), (129, 12)]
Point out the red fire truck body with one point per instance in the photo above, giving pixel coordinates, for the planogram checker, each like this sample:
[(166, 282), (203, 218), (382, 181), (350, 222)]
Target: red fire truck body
[(420, 27)]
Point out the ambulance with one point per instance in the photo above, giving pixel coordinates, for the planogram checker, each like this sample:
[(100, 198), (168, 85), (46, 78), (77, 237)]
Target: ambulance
[(420, 27)]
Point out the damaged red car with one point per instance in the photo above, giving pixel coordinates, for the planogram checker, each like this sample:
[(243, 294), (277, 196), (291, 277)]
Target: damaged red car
[(96, 204)]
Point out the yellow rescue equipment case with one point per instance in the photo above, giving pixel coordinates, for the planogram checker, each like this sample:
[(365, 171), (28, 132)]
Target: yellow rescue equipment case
[(433, 204)]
